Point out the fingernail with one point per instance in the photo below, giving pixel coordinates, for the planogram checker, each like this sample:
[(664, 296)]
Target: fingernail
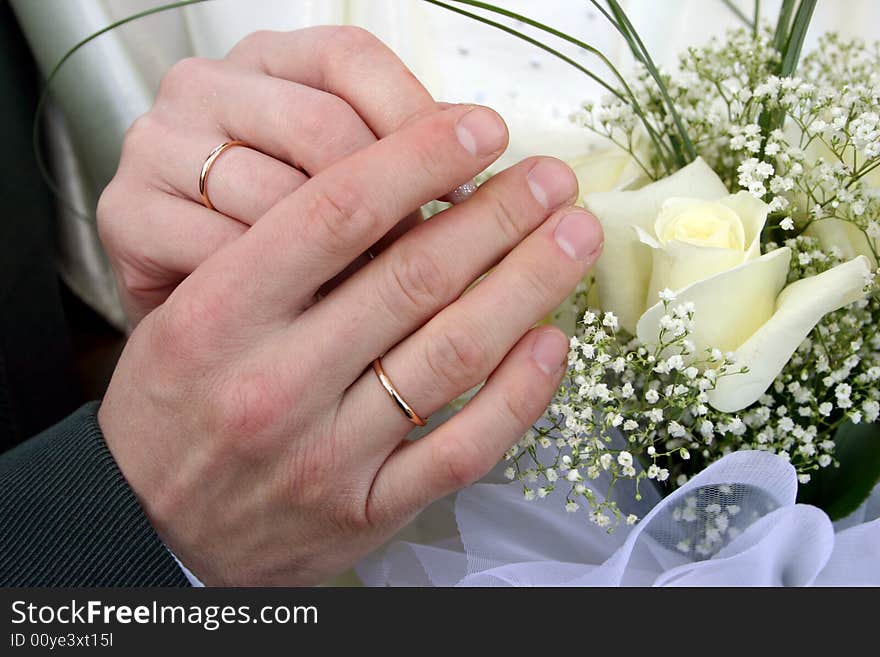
[(578, 234), (461, 193), (549, 350), (552, 183), (481, 132)]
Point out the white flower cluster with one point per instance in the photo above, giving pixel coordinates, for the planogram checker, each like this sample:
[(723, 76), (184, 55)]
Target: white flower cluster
[(818, 162), (626, 412), (623, 412)]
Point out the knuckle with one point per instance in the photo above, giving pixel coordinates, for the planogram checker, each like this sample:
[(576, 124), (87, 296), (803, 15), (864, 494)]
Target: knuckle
[(340, 216), (255, 42), (521, 404), (140, 136), (182, 327), (194, 310), (456, 357), (538, 282), (246, 408), (460, 462), (315, 485), (419, 280), (341, 46), (337, 127), (510, 220), (134, 280), (107, 213), (324, 122), (350, 516), (182, 76), (310, 478), (351, 40), (333, 109), (432, 162)]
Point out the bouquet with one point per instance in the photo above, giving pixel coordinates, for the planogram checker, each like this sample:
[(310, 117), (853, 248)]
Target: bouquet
[(735, 306)]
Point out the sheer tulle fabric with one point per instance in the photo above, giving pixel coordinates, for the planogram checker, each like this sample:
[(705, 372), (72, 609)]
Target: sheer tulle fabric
[(734, 524)]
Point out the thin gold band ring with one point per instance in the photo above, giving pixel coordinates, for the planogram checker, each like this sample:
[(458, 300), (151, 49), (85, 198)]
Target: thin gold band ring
[(405, 408), (206, 168)]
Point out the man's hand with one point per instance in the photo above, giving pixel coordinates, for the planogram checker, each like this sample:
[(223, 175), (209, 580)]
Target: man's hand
[(244, 412)]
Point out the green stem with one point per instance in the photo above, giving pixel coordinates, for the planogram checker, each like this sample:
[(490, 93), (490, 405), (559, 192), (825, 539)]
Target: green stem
[(780, 36), (44, 95), (756, 23), (788, 43), (868, 168), (626, 28), (529, 39), (796, 37), (737, 12), (633, 101)]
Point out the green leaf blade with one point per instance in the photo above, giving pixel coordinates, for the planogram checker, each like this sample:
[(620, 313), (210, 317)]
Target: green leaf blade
[(796, 38), (840, 491)]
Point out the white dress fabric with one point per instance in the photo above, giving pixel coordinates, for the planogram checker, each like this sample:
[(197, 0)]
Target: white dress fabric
[(734, 524)]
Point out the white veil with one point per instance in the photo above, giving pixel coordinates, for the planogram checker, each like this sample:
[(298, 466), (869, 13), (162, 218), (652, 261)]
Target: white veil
[(734, 524)]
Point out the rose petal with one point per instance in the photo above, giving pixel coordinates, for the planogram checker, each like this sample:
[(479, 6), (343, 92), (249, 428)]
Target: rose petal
[(613, 169), (843, 234), (678, 265), (624, 270), (799, 307), (734, 303), (673, 208), (753, 214)]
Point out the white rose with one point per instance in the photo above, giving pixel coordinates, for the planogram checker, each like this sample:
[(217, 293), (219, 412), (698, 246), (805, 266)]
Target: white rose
[(609, 167), (693, 239), (687, 233), (845, 235)]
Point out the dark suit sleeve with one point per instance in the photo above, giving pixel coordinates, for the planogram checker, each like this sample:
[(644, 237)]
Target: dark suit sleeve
[(69, 518)]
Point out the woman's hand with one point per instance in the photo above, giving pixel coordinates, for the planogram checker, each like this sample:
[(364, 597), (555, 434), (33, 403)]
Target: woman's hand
[(302, 101), (244, 412)]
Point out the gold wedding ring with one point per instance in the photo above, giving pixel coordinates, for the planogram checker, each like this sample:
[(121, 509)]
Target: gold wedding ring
[(206, 168), (405, 408)]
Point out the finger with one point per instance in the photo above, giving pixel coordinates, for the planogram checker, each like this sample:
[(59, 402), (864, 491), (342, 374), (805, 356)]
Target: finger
[(467, 446), (463, 343), (314, 233), (158, 239), (291, 129), (347, 62), (432, 265), (305, 127), (242, 183), (412, 220)]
